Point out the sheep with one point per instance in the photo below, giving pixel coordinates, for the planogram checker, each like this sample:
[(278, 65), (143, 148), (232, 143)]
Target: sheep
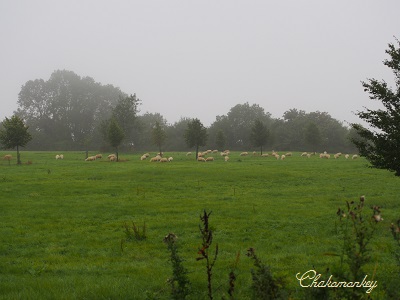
[(336, 156), (282, 157), (7, 157), (111, 155), (224, 154), (153, 159), (57, 157), (143, 157), (113, 158), (339, 154), (226, 158), (288, 154), (201, 159), (304, 154), (276, 156), (254, 153), (170, 159), (99, 156), (164, 159), (215, 151), (90, 158), (347, 156), (146, 154), (209, 151), (355, 156), (210, 158), (308, 155), (244, 153), (265, 155), (189, 153)]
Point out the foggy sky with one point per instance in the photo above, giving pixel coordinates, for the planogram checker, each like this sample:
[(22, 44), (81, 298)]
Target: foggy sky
[(200, 58)]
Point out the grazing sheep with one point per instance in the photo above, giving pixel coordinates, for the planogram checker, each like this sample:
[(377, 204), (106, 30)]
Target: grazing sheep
[(201, 159), (304, 154), (91, 158), (276, 156), (164, 159), (7, 157), (170, 159), (347, 156), (308, 155), (153, 159), (336, 156), (111, 155), (224, 154), (57, 157), (146, 154), (254, 153), (200, 154), (189, 153), (113, 158), (226, 158), (210, 158), (98, 156), (282, 157), (215, 151), (143, 157), (355, 156), (265, 155), (244, 153), (288, 154)]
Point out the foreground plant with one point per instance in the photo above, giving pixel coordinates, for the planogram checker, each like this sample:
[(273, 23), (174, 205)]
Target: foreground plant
[(204, 251), (180, 284), (134, 232), (264, 286), (356, 229)]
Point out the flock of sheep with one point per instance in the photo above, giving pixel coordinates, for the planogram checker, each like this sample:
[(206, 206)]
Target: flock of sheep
[(204, 156)]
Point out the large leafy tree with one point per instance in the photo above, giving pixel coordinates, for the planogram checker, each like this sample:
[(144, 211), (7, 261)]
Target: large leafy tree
[(380, 142), (158, 135), (14, 134), (125, 113), (115, 135), (64, 111), (312, 137), (195, 135), (259, 134)]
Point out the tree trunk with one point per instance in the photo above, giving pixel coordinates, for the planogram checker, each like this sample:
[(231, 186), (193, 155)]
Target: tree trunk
[(18, 157)]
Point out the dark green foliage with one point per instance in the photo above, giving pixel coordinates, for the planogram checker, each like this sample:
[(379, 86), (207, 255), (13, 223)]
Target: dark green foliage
[(220, 140), (264, 285), (158, 135), (259, 134), (124, 113), (380, 142), (115, 135), (195, 135), (14, 134), (180, 284), (312, 137)]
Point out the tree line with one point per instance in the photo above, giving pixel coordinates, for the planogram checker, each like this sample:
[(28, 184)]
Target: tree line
[(69, 112)]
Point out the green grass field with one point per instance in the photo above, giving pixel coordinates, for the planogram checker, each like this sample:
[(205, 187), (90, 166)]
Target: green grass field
[(62, 230)]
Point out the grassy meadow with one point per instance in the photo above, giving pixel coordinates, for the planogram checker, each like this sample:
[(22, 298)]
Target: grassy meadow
[(62, 232)]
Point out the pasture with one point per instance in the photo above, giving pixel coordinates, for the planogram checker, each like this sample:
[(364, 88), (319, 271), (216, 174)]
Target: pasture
[(62, 232)]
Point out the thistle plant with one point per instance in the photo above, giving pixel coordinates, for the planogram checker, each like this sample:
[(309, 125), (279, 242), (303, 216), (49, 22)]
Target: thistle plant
[(204, 251), (180, 284), (264, 285)]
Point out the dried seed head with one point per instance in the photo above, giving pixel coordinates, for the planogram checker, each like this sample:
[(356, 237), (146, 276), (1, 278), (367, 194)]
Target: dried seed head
[(362, 198)]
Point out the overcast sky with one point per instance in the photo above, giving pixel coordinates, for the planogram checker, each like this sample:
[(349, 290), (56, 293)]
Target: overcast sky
[(200, 58)]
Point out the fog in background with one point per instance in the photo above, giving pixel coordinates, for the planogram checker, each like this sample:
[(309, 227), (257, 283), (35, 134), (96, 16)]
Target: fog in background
[(200, 58)]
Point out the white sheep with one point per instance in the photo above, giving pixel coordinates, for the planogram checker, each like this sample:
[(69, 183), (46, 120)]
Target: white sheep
[(355, 156), (347, 156), (170, 159), (91, 158), (288, 154), (143, 157), (215, 151), (304, 154), (283, 156), (201, 159), (226, 158), (164, 159), (7, 157), (189, 153), (99, 156), (57, 156), (244, 153), (210, 158), (265, 155)]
